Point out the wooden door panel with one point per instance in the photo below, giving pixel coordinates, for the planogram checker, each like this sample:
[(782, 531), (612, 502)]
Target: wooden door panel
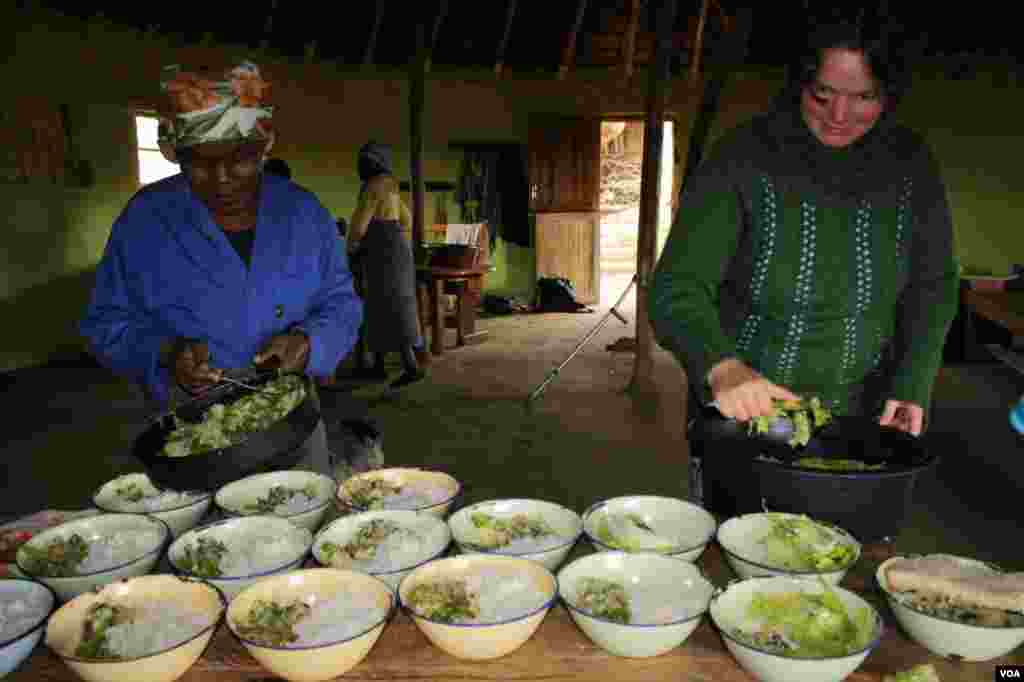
[(567, 246), (565, 164)]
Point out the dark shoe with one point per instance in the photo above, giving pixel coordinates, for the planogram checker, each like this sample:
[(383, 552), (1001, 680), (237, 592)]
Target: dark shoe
[(407, 378)]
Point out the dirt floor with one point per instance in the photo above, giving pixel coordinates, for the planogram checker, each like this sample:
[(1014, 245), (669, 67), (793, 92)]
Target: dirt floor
[(586, 438)]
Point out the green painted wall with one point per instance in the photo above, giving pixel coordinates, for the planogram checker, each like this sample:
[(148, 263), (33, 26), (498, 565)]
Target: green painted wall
[(53, 236)]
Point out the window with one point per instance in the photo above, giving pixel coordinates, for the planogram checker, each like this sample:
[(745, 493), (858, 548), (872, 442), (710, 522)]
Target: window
[(152, 164)]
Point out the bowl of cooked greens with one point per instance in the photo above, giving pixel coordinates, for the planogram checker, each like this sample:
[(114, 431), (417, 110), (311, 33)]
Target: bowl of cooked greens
[(479, 606), (136, 494), (230, 432), (785, 629), (81, 555), (311, 625), (24, 607), (955, 606), (530, 529), (302, 497), (647, 523), (773, 543), (387, 544), (237, 552), (431, 492), (151, 628), (635, 605)]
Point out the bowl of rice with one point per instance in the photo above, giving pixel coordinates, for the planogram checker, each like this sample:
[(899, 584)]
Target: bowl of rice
[(786, 629), (314, 624), (136, 494), (479, 606), (386, 544), (235, 553), (647, 523), (529, 529), (151, 628), (81, 555), (955, 606), (430, 492), (635, 605), (24, 607), (771, 543), (302, 497)]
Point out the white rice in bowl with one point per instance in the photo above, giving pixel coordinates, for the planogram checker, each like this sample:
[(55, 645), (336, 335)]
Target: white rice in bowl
[(240, 548), (20, 612), (634, 603), (482, 597), (372, 492), (321, 621), (136, 494), (137, 631), (380, 545)]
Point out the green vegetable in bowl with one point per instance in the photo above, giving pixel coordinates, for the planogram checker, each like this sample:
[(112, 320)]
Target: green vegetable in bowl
[(363, 547), (279, 495), (498, 532), (203, 558), (272, 624), (132, 492), (369, 493), (800, 625), (805, 419), (837, 464), (801, 544), (447, 601), (99, 618), (605, 599), (640, 537), (59, 559)]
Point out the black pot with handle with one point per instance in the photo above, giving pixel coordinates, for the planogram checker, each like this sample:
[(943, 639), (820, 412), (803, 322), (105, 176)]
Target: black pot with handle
[(741, 474), (277, 447)]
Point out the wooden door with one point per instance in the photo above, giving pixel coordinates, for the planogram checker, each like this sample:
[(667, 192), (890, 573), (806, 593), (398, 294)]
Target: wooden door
[(565, 188)]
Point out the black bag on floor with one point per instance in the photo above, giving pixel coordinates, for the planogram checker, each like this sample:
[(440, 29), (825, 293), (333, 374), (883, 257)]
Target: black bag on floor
[(556, 295)]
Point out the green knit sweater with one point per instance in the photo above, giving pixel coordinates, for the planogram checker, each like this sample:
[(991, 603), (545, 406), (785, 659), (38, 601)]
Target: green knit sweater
[(829, 271)]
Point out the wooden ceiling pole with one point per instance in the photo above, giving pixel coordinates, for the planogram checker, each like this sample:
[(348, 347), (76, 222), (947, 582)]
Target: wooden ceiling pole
[(417, 104), (442, 10), (569, 54), (658, 81), (698, 43), (499, 60), (629, 45), (371, 44)]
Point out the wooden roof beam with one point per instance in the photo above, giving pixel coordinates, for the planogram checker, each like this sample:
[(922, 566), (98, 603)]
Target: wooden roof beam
[(629, 46), (371, 44), (442, 10), (499, 60), (570, 46), (698, 43)]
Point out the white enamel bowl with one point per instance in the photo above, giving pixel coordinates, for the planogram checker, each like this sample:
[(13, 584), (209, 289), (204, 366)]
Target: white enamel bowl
[(689, 528), (15, 647), (565, 522), (233, 498), (180, 517)]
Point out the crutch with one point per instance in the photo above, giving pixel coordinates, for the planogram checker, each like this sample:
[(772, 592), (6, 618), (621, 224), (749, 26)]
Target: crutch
[(591, 334)]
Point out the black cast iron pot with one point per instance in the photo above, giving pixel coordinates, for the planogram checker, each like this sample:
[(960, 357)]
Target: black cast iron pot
[(739, 478), (277, 447)]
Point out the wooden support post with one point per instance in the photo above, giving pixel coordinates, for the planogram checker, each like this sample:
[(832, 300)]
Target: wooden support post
[(268, 26), (371, 44), (698, 43), (629, 45), (442, 10), (658, 82), (569, 54), (417, 98), (499, 60)]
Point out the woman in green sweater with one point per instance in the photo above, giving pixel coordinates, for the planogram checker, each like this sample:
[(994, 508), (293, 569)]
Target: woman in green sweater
[(812, 253)]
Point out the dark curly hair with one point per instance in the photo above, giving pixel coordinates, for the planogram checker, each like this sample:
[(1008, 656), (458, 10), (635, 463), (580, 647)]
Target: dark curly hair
[(873, 38)]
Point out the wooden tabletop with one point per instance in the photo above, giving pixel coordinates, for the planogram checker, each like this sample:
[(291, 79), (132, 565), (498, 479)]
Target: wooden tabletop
[(560, 651)]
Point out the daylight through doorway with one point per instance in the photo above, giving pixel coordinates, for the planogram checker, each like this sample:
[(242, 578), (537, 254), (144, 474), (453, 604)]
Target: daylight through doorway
[(622, 151)]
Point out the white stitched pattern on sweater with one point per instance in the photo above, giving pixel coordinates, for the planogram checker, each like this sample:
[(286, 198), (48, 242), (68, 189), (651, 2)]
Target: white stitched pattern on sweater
[(769, 221), (802, 294)]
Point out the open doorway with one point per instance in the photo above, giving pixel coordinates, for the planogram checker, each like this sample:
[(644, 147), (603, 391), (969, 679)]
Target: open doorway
[(622, 153)]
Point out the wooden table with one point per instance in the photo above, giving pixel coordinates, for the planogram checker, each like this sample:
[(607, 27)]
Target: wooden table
[(469, 283), (560, 651)]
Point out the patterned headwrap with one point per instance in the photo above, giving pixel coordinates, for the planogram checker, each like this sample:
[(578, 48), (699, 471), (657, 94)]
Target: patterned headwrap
[(203, 108)]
